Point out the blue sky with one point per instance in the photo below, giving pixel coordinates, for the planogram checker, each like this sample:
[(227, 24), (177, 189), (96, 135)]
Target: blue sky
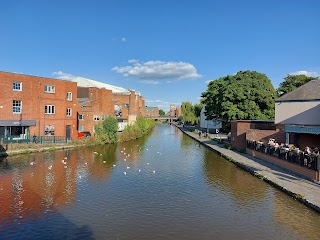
[(167, 50)]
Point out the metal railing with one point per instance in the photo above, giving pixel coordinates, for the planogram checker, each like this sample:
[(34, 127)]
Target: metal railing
[(38, 139), (295, 156)]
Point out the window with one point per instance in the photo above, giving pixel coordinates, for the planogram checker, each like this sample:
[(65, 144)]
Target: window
[(103, 117), (49, 109), (81, 128), (69, 112), (81, 117), (91, 96), (49, 89), (69, 96), (16, 106), (17, 86), (96, 117)]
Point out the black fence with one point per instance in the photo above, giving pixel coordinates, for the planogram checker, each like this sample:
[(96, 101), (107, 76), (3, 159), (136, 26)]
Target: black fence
[(40, 139), (295, 156)]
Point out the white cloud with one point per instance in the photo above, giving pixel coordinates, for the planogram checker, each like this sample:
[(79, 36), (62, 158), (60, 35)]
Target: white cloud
[(133, 61), (158, 70), (123, 39), (149, 82), (63, 76), (207, 82), (307, 73)]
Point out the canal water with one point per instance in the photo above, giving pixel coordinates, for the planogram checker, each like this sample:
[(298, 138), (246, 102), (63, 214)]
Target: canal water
[(162, 186)]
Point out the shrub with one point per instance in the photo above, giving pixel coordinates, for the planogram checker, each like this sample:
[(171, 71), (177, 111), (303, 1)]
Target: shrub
[(138, 129), (106, 131)]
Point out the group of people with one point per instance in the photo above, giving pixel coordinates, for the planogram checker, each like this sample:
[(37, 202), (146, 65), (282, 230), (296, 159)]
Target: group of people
[(273, 143)]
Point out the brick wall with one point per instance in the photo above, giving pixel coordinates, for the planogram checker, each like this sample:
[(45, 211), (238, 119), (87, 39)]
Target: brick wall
[(291, 166), (239, 129), (311, 140), (34, 99), (265, 135)]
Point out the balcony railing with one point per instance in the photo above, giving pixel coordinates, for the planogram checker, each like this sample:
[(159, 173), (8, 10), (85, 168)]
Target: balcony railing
[(294, 156)]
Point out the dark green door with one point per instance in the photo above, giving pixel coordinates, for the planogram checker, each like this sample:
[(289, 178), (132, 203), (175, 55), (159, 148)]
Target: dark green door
[(68, 132)]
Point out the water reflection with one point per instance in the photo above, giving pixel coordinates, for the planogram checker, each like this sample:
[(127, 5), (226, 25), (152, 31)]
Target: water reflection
[(245, 191), (194, 194)]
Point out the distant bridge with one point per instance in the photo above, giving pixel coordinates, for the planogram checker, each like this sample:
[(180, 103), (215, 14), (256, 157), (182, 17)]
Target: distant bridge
[(163, 118)]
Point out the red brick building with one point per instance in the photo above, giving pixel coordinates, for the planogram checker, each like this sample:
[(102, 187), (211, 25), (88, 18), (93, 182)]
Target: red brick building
[(37, 105), (98, 100), (151, 111)]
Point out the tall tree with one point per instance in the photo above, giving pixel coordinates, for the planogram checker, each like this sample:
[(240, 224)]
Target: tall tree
[(187, 111), (291, 82), (197, 109), (246, 95), (161, 112)]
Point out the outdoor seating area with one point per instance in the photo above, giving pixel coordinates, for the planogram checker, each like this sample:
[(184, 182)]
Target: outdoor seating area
[(308, 157)]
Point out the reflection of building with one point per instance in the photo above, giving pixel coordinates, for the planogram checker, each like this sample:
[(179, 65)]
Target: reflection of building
[(151, 111), (36, 105)]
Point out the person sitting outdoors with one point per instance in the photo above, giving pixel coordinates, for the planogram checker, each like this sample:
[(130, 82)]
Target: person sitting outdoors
[(276, 144), (286, 146), (307, 150)]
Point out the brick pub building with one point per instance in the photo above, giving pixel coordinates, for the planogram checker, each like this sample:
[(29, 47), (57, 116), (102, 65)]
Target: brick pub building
[(37, 105)]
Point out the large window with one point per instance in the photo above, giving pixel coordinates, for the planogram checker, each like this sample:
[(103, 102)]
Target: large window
[(17, 86), (69, 112), (69, 96), (49, 109), (81, 117), (16, 106), (49, 89), (103, 117), (81, 128), (96, 117)]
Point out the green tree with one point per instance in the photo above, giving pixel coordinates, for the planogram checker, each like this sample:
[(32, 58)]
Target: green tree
[(161, 112), (197, 109), (246, 95), (106, 131), (187, 112), (291, 82)]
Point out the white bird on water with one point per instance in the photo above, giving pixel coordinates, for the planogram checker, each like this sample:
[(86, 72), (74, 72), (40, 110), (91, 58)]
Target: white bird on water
[(128, 167), (125, 173), (32, 163), (104, 161), (148, 163), (154, 171), (139, 170), (114, 165)]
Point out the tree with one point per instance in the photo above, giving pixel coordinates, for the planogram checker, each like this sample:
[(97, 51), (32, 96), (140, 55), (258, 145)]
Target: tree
[(248, 95), (291, 82), (161, 112), (187, 112), (197, 109), (106, 131)]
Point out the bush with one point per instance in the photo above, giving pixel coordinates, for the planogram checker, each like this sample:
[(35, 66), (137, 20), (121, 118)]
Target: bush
[(138, 129), (106, 131)]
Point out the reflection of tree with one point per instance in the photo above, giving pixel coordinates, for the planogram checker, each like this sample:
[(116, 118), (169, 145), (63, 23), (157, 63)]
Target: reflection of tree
[(186, 141), (221, 174), (133, 147)]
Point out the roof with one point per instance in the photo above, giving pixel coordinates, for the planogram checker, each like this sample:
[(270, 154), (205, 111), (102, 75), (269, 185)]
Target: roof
[(86, 82), (307, 92)]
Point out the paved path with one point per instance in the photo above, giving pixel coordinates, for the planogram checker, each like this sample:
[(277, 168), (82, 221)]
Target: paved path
[(306, 191)]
